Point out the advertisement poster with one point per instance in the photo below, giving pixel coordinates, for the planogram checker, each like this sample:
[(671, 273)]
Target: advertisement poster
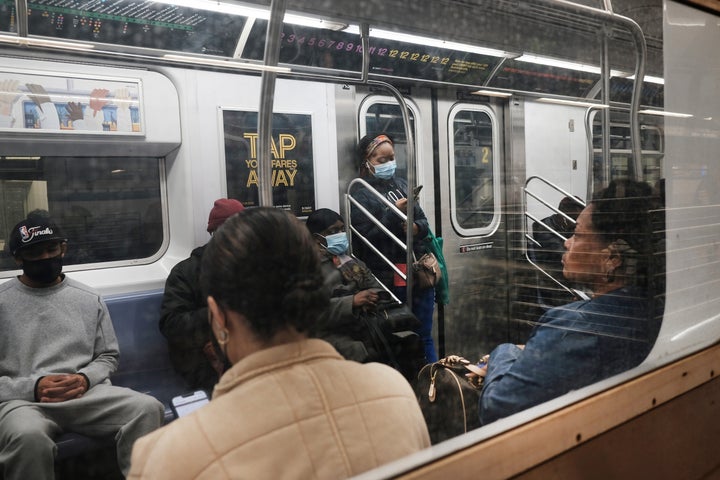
[(36, 101), (292, 176)]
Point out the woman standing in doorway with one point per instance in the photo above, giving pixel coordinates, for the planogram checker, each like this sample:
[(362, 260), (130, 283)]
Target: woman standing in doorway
[(376, 164)]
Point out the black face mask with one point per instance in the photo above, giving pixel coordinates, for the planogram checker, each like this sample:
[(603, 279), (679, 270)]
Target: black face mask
[(43, 271)]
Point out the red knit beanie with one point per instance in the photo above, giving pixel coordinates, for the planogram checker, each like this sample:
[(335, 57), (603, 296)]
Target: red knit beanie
[(222, 210)]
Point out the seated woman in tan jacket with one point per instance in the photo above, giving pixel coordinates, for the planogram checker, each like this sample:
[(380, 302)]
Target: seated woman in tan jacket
[(290, 406)]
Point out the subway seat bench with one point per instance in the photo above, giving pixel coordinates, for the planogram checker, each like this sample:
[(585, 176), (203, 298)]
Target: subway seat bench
[(144, 362)]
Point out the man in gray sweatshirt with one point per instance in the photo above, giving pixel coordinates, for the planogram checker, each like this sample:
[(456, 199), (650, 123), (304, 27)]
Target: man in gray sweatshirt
[(57, 351)]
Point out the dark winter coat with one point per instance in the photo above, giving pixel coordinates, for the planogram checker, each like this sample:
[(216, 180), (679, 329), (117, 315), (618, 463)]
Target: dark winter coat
[(184, 322)]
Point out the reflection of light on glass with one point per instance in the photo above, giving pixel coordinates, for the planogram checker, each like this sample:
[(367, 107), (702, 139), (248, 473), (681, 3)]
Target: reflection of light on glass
[(64, 98), (492, 93), (650, 79), (554, 62), (694, 328), (119, 170), (575, 103), (434, 42), (665, 114)]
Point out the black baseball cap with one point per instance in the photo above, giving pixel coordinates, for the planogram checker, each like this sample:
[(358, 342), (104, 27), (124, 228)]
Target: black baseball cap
[(36, 228)]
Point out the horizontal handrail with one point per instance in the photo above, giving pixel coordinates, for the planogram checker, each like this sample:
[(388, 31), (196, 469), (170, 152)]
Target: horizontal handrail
[(540, 223), (350, 201)]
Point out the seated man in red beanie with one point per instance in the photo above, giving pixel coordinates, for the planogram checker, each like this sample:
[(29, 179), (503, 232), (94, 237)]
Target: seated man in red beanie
[(184, 317)]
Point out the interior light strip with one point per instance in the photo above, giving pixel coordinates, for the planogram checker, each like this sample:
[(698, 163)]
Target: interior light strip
[(434, 42), (314, 22), (215, 6), (226, 63), (252, 12)]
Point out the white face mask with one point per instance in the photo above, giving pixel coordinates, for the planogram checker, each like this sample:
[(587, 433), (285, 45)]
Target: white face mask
[(385, 171)]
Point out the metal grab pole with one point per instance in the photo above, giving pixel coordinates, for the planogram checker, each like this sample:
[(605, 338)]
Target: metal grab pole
[(267, 97), (409, 258), (641, 54)]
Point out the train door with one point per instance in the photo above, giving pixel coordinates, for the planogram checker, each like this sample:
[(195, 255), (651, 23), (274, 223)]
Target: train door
[(459, 163), (471, 208)]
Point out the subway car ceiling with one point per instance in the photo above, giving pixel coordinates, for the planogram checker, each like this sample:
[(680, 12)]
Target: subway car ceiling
[(487, 50)]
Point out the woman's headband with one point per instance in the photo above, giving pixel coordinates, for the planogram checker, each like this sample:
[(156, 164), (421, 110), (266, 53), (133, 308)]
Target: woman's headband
[(376, 142)]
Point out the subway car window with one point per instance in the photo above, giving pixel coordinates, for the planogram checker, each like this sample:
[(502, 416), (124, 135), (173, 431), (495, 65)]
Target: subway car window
[(620, 148), (109, 208), (473, 166)]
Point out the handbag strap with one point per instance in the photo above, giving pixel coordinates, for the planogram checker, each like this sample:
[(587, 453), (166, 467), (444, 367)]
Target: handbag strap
[(434, 369), (457, 360)]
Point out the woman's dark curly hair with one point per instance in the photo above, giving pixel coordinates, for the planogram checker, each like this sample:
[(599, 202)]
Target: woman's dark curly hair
[(263, 264), (623, 217), (361, 151)]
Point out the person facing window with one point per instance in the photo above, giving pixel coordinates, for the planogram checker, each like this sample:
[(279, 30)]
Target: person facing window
[(611, 256)]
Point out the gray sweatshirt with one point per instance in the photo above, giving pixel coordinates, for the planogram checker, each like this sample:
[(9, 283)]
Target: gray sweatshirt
[(65, 328)]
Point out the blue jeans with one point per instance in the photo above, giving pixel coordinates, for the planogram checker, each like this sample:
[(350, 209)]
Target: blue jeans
[(423, 306)]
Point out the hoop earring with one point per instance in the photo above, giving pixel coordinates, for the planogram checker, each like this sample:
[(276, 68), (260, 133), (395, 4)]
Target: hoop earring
[(223, 337)]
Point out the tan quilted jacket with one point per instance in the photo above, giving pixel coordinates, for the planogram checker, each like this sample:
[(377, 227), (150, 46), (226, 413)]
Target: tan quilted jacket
[(295, 411)]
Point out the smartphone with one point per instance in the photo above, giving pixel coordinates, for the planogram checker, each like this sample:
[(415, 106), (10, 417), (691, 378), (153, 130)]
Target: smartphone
[(416, 191), (384, 296), (184, 404)]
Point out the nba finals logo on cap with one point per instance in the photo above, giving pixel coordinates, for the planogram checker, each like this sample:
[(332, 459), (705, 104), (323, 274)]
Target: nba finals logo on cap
[(28, 234)]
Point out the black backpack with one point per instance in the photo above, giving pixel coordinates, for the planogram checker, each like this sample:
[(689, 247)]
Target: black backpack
[(392, 338)]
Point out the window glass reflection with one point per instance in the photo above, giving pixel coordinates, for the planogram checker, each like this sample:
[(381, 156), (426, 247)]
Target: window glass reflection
[(109, 208)]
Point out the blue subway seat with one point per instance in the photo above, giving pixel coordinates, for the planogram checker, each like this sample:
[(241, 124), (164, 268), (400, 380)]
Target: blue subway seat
[(144, 362)]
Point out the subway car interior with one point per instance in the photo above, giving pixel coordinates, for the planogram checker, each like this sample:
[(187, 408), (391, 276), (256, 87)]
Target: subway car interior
[(499, 109)]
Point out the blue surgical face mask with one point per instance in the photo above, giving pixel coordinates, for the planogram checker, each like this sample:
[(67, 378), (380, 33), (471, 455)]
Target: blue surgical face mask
[(337, 243), (385, 171)]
